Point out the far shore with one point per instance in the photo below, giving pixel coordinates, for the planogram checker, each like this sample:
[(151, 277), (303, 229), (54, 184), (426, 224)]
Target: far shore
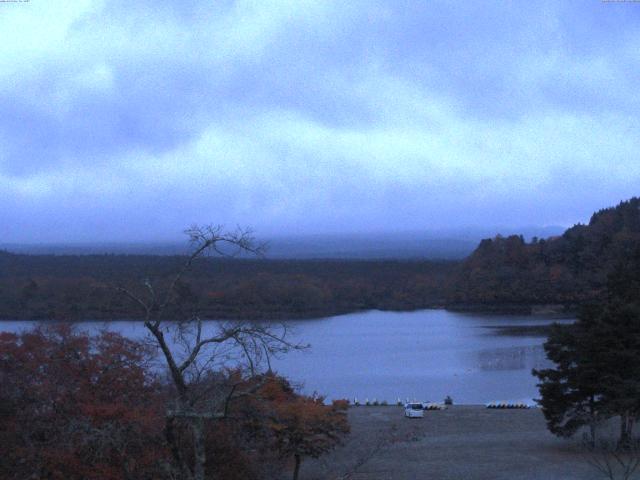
[(556, 311)]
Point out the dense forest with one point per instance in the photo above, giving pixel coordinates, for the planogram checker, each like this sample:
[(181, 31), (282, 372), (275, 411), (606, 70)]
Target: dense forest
[(570, 269), (84, 287), (502, 273)]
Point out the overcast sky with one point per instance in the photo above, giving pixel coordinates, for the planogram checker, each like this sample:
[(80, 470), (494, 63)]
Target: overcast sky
[(131, 120)]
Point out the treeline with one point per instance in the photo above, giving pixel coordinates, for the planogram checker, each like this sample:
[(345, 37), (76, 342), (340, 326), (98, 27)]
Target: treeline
[(502, 273), (570, 269), (84, 287)]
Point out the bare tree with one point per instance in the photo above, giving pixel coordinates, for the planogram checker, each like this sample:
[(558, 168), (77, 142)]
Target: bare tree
[(195, 353), (611, 460), (361, 451)]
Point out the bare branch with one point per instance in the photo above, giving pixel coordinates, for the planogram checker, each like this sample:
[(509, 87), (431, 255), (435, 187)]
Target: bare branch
[(139, 301), (203, 393)]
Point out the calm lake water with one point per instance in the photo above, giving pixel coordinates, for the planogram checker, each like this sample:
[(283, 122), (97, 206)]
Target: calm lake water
[(423, 355)]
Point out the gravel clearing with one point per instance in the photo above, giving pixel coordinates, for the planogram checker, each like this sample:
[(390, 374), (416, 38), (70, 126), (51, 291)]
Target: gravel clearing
[(462, 442)]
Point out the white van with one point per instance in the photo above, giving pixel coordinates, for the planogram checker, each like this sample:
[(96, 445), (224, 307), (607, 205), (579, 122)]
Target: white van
[(413, 410)]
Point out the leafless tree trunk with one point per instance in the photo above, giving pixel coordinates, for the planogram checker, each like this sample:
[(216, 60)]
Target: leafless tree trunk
[(626, 429), (296, 468), (198, 353), (612, 461), (593, 421)]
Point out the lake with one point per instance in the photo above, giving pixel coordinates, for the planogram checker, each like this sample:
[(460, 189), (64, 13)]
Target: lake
[(423, 355)]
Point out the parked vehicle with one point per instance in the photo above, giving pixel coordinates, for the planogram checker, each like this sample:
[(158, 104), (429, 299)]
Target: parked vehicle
[(413, 410)]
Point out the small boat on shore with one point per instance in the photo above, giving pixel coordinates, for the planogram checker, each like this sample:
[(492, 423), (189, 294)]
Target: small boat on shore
[(502, 404)]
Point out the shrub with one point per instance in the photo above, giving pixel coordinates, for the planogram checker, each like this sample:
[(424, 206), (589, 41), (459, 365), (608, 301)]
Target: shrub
[(341, 404)]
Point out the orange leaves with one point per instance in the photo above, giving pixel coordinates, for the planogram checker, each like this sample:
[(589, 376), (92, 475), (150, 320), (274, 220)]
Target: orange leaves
[(303, 425), (277, 389), (76, 406), (340, 405)]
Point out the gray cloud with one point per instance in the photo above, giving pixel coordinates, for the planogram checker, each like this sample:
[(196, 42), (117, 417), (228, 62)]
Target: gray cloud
[(131, 121)]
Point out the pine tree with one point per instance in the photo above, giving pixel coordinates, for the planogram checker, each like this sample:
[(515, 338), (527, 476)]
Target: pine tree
[(570, 393), (597, 361)]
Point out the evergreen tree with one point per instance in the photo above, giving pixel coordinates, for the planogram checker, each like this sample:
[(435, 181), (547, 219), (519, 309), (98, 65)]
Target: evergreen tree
[(571, 397), (597, 361), (617, 330)]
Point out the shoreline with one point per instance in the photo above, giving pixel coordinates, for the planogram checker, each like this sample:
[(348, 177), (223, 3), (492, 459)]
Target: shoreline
[(556, 311)]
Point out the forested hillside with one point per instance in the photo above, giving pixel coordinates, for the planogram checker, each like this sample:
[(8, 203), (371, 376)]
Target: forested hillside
[(569, 269), (502, 273)]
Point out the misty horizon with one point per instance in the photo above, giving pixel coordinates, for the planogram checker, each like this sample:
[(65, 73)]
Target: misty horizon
[(437, 245)]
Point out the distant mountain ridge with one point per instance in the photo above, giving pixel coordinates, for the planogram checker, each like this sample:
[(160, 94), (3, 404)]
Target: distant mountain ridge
[(569, 269), (453, 244)]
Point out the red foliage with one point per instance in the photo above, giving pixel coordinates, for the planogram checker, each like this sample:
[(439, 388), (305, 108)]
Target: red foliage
[(74, 406), (302, 426)]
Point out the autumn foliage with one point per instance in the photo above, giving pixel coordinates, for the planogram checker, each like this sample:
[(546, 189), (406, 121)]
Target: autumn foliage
[(76, 406), (570, 269), (302, 426), (77, 287)]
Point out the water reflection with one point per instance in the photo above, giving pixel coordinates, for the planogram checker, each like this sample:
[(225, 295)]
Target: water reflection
[(512, 358), (424, 355)]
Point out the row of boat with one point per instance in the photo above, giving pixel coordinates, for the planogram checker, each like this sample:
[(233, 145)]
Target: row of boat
[(503, 404)]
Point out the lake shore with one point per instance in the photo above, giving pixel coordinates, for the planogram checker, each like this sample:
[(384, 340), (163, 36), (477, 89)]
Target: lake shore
[(469, 442), (426, 354), (556, 311)]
